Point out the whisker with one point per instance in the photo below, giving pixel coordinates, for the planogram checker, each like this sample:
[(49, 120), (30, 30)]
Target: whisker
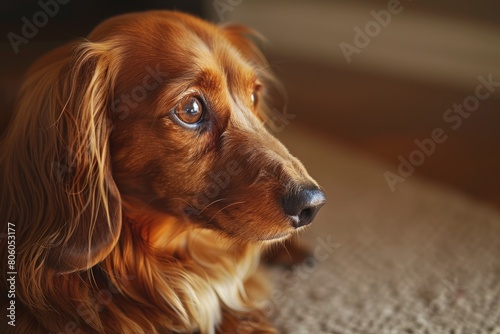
[(182, 200), (283, 243), (227, 206), (218, 200)]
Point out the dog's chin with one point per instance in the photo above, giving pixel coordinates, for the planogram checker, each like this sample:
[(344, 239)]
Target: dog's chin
[(252, 238), (276, 238), (266, 239)]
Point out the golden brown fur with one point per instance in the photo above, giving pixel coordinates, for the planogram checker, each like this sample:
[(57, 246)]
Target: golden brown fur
[(127, 222)]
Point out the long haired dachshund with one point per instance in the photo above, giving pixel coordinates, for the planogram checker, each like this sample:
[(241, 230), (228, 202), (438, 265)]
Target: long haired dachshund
[(139, 184)]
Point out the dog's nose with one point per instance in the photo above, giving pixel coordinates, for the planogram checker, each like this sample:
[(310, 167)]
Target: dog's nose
[(302, 206)]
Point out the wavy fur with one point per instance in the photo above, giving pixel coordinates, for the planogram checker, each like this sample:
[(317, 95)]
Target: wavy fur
[(105, 240)]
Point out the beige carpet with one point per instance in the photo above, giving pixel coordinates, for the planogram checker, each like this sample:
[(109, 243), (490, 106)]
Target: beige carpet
[(420, 260)]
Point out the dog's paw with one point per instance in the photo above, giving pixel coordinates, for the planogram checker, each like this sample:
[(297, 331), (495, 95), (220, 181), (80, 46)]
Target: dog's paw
[(252, 328), (245, 323)]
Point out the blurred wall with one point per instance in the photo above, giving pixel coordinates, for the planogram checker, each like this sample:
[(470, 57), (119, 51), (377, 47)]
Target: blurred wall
[(441, 41)]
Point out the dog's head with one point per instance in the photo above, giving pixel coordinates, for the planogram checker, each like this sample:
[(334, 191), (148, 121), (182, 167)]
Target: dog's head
[(188, 136), (158, 114)]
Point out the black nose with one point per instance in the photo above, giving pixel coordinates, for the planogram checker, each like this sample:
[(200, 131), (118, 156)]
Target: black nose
[(301, 206)]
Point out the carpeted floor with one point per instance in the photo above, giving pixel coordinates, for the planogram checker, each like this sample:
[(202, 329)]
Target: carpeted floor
[(420, 260)]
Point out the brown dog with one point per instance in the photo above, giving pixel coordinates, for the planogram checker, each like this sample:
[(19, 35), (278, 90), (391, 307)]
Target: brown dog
[(142, 184)]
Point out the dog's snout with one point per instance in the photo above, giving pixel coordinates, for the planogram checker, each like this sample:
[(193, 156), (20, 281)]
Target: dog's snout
[(303, 205)]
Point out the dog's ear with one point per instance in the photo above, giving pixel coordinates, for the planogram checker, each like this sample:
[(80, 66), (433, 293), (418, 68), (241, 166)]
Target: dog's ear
[(56, 160), (241, 37), (274, 97)]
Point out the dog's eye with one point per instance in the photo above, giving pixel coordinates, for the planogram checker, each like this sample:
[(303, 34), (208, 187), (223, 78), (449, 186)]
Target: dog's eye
[(255, 95), (190, 110), (254, 98)]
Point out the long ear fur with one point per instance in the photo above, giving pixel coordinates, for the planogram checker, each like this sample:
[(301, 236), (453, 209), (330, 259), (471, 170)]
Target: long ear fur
[(57, 186), (274, 94)]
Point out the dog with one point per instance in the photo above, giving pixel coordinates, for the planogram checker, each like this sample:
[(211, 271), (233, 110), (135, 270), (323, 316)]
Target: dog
[(140, 185)]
